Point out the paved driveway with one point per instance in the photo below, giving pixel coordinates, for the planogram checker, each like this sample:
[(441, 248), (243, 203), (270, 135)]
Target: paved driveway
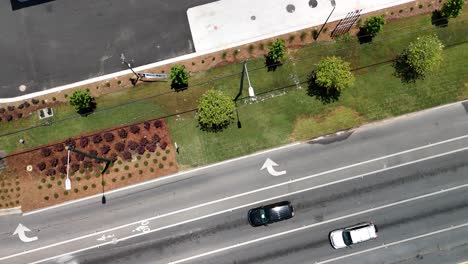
[(58, 42)]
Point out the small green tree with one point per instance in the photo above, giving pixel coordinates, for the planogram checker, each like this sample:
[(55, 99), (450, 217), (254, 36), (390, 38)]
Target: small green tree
[(331, 76), (275, 54), (82, 101), (374, 25), (452, 8), (422, 56), (179, 77), (215, 111)]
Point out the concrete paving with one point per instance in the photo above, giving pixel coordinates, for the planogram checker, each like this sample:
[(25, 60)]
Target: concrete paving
[(227, 23)]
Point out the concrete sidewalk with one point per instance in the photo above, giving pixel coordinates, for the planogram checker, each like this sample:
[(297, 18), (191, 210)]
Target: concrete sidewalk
[(228, 23)]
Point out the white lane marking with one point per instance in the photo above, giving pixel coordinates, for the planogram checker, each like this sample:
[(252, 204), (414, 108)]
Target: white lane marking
[(243, 157), (395, 243), (21, 231), (269, 164), (209, 215), (162, 178), (318, 224)]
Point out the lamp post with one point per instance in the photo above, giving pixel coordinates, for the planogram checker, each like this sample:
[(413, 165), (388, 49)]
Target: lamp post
[(333, 3), (136, 74), (67, 181)]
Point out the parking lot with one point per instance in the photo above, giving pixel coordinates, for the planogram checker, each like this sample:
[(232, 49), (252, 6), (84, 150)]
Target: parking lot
[(45, 44)]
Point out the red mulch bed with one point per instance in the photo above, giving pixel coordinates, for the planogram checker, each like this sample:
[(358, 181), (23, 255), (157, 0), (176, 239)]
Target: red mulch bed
[(145, 152)]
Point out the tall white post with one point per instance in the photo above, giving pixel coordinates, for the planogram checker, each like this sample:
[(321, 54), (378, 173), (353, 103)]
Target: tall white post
[(67, 181), (251, 90)]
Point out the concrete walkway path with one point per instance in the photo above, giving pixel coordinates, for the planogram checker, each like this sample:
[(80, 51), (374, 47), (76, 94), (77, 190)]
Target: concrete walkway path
[(228, 23)]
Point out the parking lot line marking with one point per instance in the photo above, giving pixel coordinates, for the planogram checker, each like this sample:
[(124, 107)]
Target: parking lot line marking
[(237, 208)]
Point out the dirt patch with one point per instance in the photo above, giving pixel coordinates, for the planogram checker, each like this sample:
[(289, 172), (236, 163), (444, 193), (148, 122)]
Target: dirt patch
[(307, 127), (139, 152)]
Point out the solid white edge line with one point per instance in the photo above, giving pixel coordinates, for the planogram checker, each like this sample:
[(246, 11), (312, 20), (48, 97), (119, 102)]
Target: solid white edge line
[(237, 159), (210, 215), (318, 224), (162, 178), (395, 243)]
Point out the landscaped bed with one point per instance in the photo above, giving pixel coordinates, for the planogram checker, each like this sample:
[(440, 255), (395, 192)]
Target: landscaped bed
[(139, 152)]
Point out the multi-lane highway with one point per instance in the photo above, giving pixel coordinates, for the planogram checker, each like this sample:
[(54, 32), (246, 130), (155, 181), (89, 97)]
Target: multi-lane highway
[(408, 175)]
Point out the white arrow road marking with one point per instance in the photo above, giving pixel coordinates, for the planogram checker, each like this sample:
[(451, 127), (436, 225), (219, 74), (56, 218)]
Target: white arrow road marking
[(21, 230), (269, 164)]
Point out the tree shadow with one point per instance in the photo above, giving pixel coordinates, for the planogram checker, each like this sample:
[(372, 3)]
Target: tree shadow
[(271, 64), (215, 128), (325, 95), (363, 36), (87, 111), (404, 71), (18, 4), (438, 20), (178, 87)]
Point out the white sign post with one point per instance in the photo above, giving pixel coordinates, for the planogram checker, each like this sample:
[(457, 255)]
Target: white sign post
[(151, 76)]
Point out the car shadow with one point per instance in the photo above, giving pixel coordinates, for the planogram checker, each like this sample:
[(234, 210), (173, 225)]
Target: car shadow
[(18, 4)]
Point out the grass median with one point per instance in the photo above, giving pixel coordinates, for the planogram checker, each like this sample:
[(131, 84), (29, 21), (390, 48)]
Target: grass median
[(283, 112)]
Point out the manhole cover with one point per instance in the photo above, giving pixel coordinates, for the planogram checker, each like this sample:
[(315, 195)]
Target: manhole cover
[(253, 17), (290, 8), (22, 88), (313, 3)]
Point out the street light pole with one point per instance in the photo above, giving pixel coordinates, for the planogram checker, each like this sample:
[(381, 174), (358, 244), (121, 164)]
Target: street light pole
[(67, 181), (130, 67), (334, 6)]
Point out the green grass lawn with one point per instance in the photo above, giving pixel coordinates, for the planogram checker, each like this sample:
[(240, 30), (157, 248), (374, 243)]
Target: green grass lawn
[(296, 116), (284, 112)]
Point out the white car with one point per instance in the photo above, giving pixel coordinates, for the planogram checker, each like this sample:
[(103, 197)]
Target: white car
[(348, 236)]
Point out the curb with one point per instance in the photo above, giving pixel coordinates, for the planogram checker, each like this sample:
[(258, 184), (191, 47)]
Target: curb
[(9, 211)]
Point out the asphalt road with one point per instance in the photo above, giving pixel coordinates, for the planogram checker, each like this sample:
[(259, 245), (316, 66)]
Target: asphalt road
[(331, 182), (316, 207), (59, 42)]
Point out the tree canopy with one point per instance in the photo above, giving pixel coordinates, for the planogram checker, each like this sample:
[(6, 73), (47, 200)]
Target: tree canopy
[(276, 51), (330, 78), (333, 73), (179, 77), (82, 101), (452, 8), (275, 55), (374, 25), (421, 56), (215, 111)]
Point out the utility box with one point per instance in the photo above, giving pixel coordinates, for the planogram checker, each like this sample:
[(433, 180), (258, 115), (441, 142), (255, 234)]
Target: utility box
[(45, 112)]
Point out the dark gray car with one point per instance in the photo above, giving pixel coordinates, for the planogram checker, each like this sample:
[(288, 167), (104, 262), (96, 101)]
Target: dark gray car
[(271, 213)]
